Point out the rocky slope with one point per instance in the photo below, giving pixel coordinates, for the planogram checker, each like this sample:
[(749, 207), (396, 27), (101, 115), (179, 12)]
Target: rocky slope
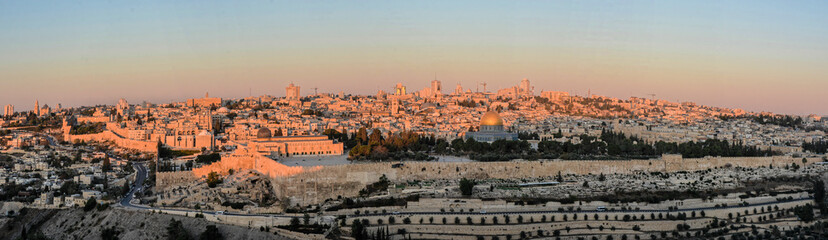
[(77, 224)]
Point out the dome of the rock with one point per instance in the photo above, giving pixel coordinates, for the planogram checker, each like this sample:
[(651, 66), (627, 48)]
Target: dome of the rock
[(491, 118)]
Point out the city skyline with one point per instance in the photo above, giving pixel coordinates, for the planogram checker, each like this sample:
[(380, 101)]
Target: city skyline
[(762, 56)]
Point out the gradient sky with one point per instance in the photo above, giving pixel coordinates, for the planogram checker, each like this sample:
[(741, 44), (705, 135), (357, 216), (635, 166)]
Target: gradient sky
[(756, 55)]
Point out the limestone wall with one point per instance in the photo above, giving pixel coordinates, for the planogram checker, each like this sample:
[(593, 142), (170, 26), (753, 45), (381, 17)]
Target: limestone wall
[(166, 180), (242, 160), (109, 136), (347, 180)]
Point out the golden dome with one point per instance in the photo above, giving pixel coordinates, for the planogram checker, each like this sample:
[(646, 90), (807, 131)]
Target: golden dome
[(491, 118)]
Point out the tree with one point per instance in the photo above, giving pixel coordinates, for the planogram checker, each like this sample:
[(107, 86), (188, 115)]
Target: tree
[(213, 179), (358, 230), (110, 233), (466, 186), (805, 213), (90, 204), (602, 177), (176, 231), (375, 137), (362, 136), (211, 232), (125, 188), (106, 166), (294, 222), (819, 192)]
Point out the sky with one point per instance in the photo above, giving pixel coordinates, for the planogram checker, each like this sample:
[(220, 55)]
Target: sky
[(755, 55)]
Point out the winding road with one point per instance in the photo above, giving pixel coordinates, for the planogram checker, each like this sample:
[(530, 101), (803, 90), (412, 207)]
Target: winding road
[(142, 173)]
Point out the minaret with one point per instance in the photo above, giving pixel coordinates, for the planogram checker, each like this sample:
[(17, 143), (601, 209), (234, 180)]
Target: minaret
[(37, 107)]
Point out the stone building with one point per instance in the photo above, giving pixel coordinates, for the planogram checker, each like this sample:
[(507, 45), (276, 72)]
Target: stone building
[(266, 144), (207, 101), (292, 92)]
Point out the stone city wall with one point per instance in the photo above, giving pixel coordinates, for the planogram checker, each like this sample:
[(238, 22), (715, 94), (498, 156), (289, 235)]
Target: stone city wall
[(165, 180), (243, 160), (109, 136), (346, 180)]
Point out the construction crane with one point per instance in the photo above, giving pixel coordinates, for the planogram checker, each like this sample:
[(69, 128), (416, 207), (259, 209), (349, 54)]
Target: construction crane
[(484, 86), (652, 96)]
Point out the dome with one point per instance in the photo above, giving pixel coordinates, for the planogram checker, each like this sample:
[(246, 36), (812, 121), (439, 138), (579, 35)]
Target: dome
[(205, 133), (491, 118), (223, 110), (264, 133)]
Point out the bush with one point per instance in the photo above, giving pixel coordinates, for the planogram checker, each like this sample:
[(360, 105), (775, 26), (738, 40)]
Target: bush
[(110, 233), (176, 231), (90, 204), (213, 179), (466, 186), (211, 232), (209, 158)]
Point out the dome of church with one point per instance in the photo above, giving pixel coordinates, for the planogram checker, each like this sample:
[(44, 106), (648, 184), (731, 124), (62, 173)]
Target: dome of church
[(264, 133), (205, 133), (223, 110), (491, 118)]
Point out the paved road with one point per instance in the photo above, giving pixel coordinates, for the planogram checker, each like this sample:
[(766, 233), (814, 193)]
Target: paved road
[(142, 173)]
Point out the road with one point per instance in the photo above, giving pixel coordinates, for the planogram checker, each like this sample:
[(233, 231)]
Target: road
[(142, 173)]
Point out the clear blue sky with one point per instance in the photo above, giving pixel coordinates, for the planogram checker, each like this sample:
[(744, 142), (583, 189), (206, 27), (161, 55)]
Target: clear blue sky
[(757, 55)]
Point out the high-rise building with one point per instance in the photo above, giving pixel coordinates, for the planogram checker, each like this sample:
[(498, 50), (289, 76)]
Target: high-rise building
[(458, 90), (436, 88), (292, 92), (526, 89), (37, 108), (8, 110), (399, 89)]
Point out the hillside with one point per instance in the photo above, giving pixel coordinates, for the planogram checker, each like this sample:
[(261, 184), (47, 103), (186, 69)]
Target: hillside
[(77, 224)]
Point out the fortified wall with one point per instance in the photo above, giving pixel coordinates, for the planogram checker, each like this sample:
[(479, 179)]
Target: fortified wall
[(241, 159), (109, 136), (347, 180), (165, 180)]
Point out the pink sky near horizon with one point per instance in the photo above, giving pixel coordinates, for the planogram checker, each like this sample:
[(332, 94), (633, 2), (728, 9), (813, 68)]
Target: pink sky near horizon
[(755, 85)]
